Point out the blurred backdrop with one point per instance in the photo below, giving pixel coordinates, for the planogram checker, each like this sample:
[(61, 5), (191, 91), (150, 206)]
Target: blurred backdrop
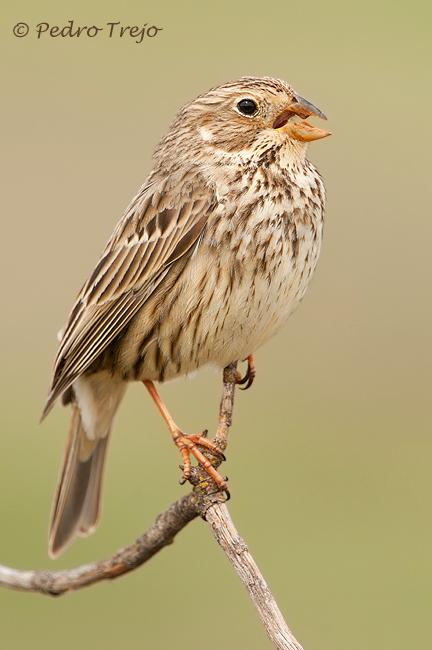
[(330, 452)]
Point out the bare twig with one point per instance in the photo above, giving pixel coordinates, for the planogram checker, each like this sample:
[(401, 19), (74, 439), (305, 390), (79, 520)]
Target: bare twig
[(227, 404), (238, 554), (206, 501), (159, 535)]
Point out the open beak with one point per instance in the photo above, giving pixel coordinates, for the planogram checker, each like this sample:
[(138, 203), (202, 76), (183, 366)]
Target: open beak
[(300, 130)]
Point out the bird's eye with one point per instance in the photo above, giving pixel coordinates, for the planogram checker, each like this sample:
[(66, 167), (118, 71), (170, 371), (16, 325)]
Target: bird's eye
[(247, 107)]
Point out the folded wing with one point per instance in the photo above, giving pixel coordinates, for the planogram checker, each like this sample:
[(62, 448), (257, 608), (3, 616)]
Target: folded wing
[(156, 230)]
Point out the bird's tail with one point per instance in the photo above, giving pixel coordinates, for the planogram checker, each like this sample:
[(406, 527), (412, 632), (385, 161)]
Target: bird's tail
[(77, 502)]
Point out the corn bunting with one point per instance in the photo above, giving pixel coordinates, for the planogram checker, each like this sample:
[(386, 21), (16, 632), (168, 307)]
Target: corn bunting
[(208, 262)]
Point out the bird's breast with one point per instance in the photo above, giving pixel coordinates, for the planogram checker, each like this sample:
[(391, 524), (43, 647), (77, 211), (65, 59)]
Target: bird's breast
[(245, 276)]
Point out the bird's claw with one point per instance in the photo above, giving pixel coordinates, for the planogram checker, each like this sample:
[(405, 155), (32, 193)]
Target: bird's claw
[(187, 445), (249, 376)]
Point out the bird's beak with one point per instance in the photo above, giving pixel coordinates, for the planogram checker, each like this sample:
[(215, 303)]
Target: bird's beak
[(303, 108), (304, 132), (300, 130)]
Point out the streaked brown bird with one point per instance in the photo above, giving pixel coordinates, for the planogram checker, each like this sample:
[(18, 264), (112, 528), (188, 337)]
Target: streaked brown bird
[(208, 262)]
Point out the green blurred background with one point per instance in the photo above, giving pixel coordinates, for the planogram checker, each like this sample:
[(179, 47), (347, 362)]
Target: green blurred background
[(329, 456)]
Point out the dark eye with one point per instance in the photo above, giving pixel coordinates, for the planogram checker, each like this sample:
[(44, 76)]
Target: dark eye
[(247, 107)]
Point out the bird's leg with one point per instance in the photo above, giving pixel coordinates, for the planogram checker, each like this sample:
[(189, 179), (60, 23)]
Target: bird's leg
[(187, 444), (249, 376)]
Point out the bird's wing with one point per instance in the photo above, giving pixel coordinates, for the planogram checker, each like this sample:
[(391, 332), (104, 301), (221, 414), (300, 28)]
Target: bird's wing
[(160, 226)]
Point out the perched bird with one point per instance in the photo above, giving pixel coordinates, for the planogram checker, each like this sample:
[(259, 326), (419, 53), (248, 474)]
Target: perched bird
[(208, 262)]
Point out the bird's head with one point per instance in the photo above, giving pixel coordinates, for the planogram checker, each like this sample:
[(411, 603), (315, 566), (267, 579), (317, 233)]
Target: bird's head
[(247, 115)]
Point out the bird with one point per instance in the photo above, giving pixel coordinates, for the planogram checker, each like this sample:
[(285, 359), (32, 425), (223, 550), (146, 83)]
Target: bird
[(207, 263)]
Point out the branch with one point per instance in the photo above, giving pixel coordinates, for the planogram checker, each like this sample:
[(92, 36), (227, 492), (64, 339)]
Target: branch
[(238, 554), (205, 500), (161, 534)]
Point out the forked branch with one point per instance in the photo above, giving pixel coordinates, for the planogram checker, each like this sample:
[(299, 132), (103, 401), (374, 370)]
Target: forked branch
[(205, 501)]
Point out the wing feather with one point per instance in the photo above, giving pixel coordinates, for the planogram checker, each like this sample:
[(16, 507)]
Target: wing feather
[(155, 231)]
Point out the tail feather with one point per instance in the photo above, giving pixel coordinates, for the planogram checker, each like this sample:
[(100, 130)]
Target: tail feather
[(76, 506), (94, 401)]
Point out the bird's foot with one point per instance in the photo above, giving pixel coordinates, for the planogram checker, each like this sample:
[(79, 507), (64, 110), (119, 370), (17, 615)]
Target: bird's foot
[(187, 445), (249, 376)]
